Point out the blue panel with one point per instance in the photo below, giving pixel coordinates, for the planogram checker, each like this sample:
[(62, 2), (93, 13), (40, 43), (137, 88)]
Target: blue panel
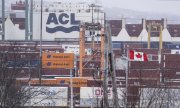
[(174, 46), (116, 45), (23, 63)]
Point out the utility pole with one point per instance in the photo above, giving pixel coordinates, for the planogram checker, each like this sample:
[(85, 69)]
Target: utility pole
[(40, 68), (31, 20), (105, 66), (26, 20), (71, 86), (112, 67), (127, 72), (3, 20), (92, 6), (149, 36), (160, 53)]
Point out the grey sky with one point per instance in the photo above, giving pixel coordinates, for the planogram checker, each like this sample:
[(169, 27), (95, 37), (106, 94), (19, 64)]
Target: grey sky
[(162, 6), (158, 6)]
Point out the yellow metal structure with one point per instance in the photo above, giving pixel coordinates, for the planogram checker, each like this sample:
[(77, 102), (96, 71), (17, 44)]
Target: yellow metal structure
[(83, 60), (160, 39), (149, 36), (102, 49), (82, 49)]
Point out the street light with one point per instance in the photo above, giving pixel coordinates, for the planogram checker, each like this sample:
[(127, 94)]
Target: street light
[(92, 6), (40, 70), (3, 20)]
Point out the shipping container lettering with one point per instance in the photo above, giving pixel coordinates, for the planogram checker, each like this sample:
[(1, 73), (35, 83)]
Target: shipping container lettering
[(58, 57), (99, 92), (77, 83), (61, 64), (52, 103), (61, 56), (48, 93)]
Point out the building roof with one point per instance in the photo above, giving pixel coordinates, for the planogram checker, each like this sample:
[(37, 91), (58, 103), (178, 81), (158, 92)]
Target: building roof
[(174, 30), (116, 26), (20, 21), (134, 30)]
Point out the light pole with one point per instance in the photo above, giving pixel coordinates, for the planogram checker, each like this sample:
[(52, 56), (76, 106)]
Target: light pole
[(71, 86), (105, 82), (26, 20), (112, 67), (31, 20), (127, 72), (92, 6), (3, 20), (40, 69)]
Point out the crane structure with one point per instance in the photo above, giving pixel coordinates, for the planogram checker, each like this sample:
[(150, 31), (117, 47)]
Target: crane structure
[(90, 30), (155, 29), (81, 49)]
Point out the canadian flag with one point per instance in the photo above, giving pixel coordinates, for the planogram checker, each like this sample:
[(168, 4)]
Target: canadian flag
[(137, 56)]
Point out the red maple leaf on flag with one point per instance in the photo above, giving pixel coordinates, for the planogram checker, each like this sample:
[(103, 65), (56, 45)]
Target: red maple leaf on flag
[(138, 55)]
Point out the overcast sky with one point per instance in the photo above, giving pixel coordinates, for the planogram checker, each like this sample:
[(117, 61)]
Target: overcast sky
[(162, 6)]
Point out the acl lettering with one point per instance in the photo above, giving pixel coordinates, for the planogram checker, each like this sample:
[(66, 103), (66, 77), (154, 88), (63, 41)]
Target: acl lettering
[(60, 21), (99, 92)]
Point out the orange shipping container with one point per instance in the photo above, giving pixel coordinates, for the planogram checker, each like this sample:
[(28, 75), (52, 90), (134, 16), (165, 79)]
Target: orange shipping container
[(58, 56), (44, 82), (77, 82), (58, 64)]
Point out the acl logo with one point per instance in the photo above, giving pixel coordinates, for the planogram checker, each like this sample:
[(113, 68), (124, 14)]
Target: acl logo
[(60, 21)]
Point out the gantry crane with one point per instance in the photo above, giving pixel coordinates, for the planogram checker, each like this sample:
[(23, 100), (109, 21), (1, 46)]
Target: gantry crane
[(90, 27)]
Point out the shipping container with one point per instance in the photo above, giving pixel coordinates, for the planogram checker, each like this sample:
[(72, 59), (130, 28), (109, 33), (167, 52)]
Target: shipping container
[(92, 96), (48, 96), (76, 82)]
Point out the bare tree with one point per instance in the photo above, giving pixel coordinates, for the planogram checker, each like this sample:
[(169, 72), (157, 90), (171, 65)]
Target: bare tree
[(12, 64), (161, 97), (19, 64)]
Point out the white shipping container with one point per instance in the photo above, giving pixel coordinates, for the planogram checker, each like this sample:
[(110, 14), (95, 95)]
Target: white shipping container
[(175, 51), (48, 96), (92, 96)]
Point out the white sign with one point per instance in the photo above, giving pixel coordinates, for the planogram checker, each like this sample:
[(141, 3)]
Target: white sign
[(75, 49), (48, 96), (121, 63), (175, 51)]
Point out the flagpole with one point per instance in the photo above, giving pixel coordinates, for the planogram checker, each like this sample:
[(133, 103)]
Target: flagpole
[(71, 86), (127, 69)]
